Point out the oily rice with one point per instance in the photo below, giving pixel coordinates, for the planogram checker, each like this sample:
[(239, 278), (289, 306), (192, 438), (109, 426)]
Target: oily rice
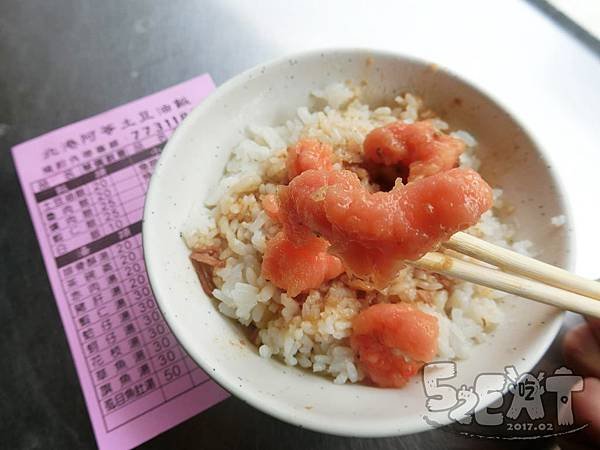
[(314, 334)]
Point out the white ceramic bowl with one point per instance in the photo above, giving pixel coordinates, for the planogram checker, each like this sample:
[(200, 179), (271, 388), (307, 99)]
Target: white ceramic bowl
[(193, 161)]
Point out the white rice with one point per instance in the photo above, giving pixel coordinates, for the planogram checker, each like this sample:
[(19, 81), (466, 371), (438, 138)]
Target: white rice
[(558, 221), (314, 335)]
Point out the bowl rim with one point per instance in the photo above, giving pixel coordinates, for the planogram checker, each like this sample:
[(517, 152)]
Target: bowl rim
[(291, 416)]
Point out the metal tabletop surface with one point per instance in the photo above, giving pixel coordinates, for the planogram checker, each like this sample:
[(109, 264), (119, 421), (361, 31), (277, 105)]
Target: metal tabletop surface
[(64, 60)]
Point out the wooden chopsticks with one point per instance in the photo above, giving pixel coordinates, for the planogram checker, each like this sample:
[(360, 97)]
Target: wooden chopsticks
[(514, 262), (515, 274)]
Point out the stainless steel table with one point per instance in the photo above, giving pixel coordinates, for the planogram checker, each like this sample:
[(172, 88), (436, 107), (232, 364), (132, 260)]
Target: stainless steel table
[(64, 60)]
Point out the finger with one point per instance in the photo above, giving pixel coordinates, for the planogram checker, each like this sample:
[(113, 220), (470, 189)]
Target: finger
[(594, 325), (586, 408), (581, 351)]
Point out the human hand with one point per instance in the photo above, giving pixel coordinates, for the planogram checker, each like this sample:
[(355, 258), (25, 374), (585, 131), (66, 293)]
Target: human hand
[(581, 351)]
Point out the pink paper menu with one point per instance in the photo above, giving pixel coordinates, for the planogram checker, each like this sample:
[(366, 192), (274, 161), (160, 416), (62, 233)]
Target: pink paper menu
[(84, 185)]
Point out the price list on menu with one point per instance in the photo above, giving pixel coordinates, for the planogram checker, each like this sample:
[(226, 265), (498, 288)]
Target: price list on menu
[(85, 185)]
